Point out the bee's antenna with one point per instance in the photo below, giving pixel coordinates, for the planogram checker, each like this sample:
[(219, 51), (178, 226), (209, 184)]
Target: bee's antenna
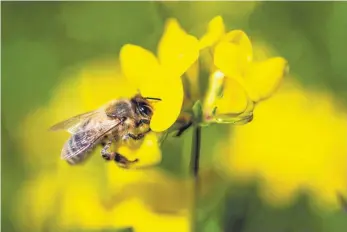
[(153, 98)]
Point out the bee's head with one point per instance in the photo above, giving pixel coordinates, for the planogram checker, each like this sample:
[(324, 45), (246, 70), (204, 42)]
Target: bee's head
[(143, 106)]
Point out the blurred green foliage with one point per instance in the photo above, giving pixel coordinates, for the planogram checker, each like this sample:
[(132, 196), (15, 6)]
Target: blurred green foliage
[(42, 40)]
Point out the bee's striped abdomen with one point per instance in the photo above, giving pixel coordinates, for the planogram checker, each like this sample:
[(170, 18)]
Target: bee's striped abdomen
[(78, 146)]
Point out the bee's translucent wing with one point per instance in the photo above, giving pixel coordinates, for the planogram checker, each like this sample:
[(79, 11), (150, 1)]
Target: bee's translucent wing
[(80, 143), (72, 124)]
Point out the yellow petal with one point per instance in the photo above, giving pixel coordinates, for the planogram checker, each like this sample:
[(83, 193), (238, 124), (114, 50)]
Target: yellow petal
[(226, 100), (234, 99), (263, 78), (192, 74), (168, 109), (215, 31), (142, 67), (177, 50), (138, 64), (240, 39), (233, 54)]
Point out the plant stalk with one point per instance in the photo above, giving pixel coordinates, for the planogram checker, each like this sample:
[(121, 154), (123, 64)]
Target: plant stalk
[(194, 168)]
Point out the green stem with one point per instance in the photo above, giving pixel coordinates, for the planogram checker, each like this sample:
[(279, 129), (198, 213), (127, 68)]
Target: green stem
[(194, 168), (195, 155)]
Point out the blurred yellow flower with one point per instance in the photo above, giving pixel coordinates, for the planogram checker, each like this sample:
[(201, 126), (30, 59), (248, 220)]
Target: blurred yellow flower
[(237, 82), (161, 77), (88, 198), (297, 142)]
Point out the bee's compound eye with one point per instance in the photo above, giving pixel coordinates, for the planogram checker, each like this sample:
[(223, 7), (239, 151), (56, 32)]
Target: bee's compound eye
[(144, 109)]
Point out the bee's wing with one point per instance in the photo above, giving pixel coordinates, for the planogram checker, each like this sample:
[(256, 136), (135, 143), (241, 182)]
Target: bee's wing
[(77, 146), (72, 124)]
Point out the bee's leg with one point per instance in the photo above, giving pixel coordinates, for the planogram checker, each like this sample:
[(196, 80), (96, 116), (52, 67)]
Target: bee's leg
[(105, 153), (123, 161), (138, 136)]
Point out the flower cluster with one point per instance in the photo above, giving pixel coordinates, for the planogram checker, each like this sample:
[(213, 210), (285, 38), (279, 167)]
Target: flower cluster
[(236, 81)]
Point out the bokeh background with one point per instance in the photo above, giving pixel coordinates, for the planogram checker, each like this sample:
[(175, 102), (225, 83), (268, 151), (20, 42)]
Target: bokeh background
[(285, 171)]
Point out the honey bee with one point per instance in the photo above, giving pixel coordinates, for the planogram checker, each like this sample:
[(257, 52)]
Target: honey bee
[(117, 121)]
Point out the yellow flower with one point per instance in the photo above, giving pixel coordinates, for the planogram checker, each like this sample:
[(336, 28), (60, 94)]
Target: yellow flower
[(237, 81), (298, 142), (161, 77)]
